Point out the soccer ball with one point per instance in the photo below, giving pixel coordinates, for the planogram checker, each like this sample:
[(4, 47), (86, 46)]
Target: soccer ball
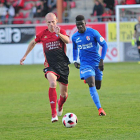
[(69, 120)]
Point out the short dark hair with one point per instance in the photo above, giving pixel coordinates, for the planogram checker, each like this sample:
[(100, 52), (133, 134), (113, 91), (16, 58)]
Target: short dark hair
[(80, 17)]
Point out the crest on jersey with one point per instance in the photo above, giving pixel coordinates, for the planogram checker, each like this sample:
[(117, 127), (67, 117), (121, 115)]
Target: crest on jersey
[(88, 38), (101, 39)]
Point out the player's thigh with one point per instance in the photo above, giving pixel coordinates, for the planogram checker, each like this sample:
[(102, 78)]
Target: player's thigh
[(52, 79), (90, 81), (63, 89)]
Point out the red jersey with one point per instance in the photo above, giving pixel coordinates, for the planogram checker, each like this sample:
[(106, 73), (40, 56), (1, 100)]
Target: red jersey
[(54, 48)]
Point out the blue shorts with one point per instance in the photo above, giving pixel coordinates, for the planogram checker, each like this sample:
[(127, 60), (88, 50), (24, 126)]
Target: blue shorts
[(88, 71)]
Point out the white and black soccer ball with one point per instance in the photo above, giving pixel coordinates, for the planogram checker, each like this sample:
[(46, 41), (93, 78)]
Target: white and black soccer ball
[(69, 120)]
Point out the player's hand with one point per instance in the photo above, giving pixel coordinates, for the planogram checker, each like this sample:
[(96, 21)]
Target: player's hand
[(101, 65), (57, 29), (77, 65), (45, 64), (22, 59)]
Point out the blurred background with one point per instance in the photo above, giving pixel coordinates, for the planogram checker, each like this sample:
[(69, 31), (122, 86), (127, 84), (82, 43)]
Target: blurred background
[(21, 20)]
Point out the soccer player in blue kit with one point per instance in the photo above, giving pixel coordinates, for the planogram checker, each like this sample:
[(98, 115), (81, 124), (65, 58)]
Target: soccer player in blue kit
[(91, 63)]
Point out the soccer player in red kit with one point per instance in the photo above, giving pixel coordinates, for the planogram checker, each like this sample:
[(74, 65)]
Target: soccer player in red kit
[(56, 63)]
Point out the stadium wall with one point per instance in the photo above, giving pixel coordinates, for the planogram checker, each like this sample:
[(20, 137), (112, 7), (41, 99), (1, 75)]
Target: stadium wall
[(14, 41)]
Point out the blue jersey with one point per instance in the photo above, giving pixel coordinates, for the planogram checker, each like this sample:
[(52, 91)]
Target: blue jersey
[(87, 43)]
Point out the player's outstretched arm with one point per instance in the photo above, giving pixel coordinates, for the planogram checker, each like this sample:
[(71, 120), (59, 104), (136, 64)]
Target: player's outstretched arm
[(30, 47)]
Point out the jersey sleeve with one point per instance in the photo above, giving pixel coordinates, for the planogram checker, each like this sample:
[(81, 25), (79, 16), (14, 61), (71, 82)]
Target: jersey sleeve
[(38, 37), (98, 37), (75, 50), (102, 43), (62, 31)]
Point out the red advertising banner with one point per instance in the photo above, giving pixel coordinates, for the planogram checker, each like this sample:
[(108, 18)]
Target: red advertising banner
[(71, 28)]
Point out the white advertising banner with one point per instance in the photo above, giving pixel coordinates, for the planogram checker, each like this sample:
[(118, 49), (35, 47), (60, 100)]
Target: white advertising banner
[(12, 53), (38, 54), (113, 53)]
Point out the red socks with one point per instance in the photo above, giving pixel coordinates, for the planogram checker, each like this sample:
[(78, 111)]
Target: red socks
[(61, 101), (53, 100)]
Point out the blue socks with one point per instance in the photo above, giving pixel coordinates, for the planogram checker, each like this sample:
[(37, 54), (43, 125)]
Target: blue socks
[(95, 97)]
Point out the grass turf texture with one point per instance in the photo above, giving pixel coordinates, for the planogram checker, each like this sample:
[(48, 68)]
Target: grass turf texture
[(25, 112)]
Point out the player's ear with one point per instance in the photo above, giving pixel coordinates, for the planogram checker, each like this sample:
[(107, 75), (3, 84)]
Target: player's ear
[(56, 20)]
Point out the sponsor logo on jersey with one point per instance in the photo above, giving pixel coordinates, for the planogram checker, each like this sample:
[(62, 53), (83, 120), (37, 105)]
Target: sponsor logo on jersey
[(101, 39), (85, 46), (45, 36), (53, 45), (88, 38), (78, 40)]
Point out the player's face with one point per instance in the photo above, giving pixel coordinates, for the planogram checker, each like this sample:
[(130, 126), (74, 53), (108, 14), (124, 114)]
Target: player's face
[(81, 26), (51, 22)]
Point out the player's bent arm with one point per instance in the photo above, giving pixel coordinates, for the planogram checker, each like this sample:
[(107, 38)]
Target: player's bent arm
[(103, 54), (30, 47), (104, 50), (64, 38)]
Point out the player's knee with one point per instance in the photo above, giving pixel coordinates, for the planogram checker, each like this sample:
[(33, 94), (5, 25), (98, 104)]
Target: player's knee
[(53, 84), (64, 95), (98, 87), (91, 84)]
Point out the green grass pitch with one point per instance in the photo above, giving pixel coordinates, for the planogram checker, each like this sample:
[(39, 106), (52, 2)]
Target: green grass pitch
[(25, 112)]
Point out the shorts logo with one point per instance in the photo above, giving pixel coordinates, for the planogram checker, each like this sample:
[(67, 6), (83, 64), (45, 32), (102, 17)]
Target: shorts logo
[(88, 38), (82, 72), (101, 39), (45, 70)]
